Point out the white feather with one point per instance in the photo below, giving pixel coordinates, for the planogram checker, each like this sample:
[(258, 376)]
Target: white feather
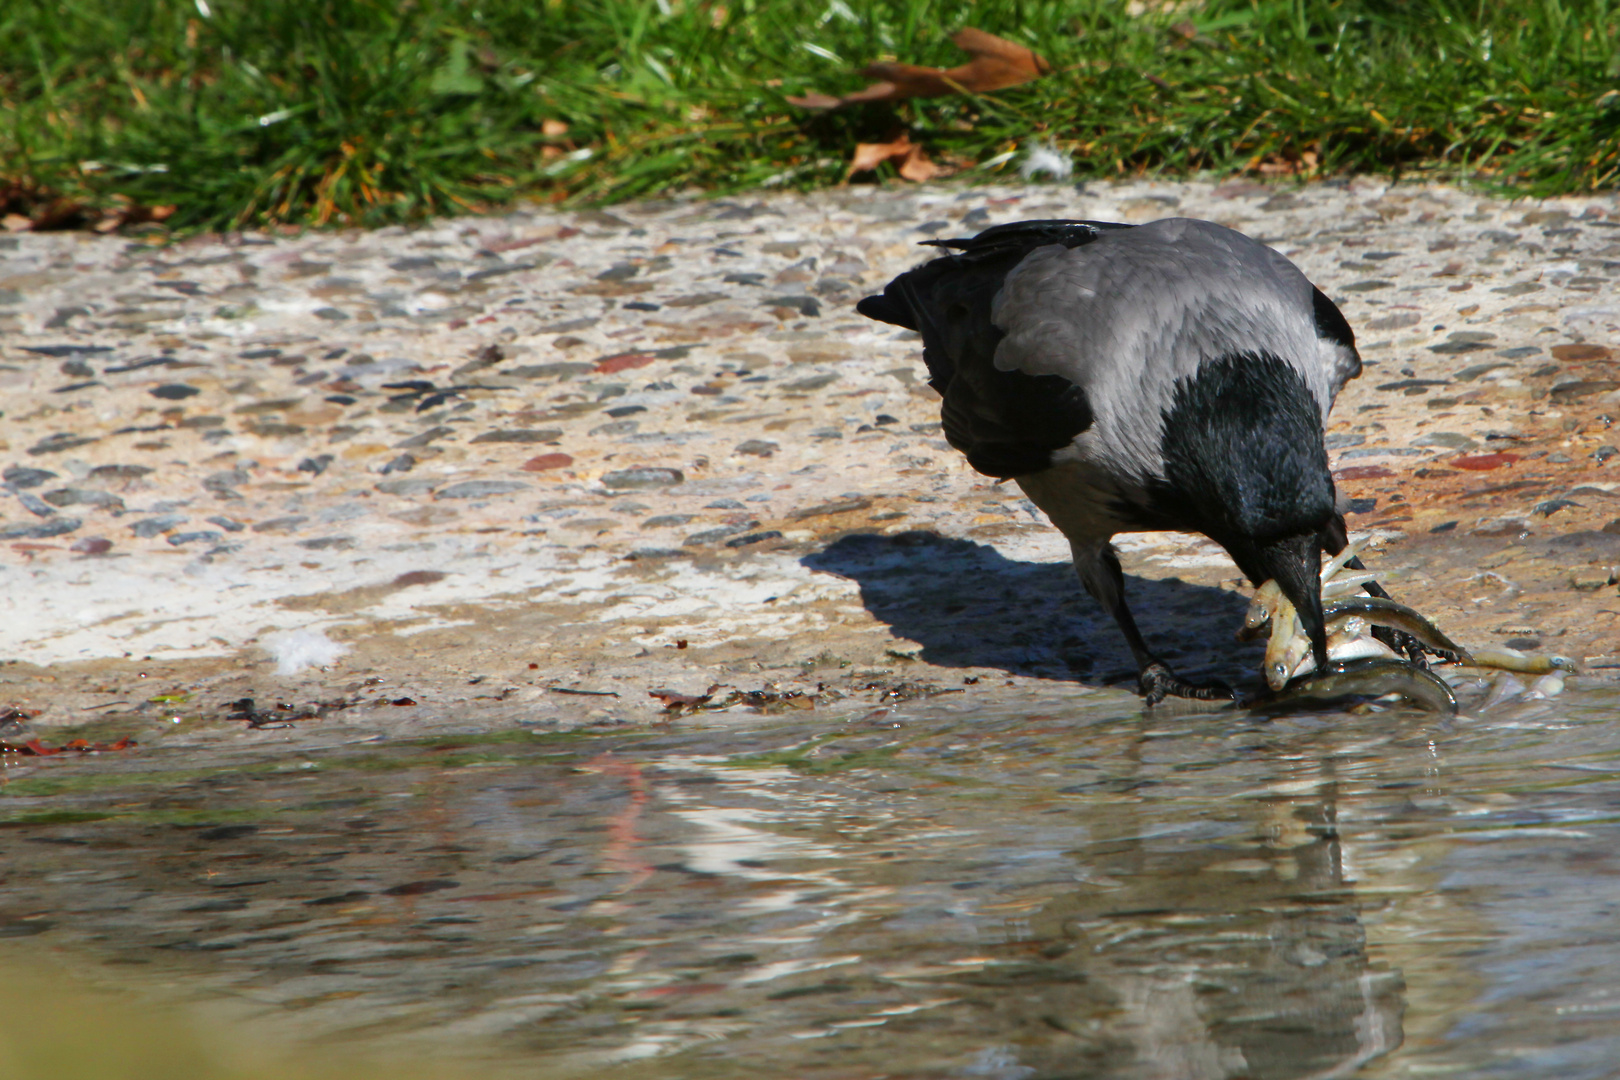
[(1047, 159)]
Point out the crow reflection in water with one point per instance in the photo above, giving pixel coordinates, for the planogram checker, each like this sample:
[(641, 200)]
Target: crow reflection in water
[(1183, 958), (970, 606)]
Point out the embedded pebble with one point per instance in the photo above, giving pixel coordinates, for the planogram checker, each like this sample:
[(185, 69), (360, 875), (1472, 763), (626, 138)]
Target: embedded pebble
[(150, 527), (480, 489), (641, 479)]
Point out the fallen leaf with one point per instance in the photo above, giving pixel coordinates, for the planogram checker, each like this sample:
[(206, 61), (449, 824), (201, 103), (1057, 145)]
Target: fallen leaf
[(812, 100), (912, 162), (917, 168), (130, 214), (869, 156), (997, 64), (675, 702), (547, 461)]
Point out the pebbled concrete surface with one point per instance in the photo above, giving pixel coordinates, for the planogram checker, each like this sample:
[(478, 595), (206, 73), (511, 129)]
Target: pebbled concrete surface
[(504, 458)]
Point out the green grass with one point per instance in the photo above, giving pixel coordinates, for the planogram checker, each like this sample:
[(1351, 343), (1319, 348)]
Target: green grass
[(377, 111)]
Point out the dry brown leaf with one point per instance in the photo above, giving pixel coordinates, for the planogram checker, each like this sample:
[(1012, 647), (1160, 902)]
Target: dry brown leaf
[(997, 64), (869, 156), (128, 212), (815, 100), (911, 161), (916, 166), (675, 703)]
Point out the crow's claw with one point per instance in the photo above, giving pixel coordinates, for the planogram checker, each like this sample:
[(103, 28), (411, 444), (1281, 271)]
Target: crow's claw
[(1408, 646), (1157, 682)]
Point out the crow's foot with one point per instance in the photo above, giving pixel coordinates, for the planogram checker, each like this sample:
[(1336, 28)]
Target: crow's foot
[(1406, 645), (1157, 682)]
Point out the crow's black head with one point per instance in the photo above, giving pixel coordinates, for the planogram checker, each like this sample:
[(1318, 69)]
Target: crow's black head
[(1243, 453), (1244, 464)]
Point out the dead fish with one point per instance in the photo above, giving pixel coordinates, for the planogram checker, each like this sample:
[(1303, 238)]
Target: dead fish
[(1348, 640), (1351, 639), (1548, 686), (1505, 689), (1349, 627), (1262, 611), (1287, 646), (1366, 679), (1337, 562), (1525, 664), (1347, 584), (1377, 610)]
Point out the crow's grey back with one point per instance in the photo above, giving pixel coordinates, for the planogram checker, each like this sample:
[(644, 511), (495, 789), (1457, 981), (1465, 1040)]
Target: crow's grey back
[(1128, 315)]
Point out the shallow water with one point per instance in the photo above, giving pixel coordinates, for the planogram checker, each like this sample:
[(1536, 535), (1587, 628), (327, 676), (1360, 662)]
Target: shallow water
[(948, 888)]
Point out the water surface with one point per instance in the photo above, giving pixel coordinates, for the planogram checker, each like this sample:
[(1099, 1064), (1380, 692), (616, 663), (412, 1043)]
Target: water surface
[(960, 886)]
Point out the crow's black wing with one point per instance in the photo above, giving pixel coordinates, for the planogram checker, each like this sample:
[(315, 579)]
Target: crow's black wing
[(1007, 422)]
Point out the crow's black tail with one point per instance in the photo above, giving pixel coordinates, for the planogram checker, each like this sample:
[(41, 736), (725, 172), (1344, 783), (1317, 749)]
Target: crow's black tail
[(889, 309)]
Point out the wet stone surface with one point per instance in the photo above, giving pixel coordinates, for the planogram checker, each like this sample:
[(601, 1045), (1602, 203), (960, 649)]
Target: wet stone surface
[(509, 476)]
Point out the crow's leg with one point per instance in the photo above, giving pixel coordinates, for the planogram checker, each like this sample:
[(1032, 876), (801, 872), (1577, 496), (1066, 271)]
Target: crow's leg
[(1100, 573), (1334, 540)]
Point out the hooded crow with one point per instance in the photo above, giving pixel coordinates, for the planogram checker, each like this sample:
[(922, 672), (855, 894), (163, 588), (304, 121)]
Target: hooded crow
[(1173, 375)]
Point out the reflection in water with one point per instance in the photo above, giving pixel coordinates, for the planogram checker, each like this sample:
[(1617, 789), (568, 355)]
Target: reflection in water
[(1099, 947), (1073, 892)]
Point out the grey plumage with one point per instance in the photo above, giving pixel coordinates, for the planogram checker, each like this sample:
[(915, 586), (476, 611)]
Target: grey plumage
[(1173, 375), (1128, 315)]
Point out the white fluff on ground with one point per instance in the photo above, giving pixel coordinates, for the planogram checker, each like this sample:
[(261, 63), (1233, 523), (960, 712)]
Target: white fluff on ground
[(295, 650), (1046, 159)]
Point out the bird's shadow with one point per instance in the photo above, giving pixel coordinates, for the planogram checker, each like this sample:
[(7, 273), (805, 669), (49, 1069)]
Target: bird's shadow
[(970, 606)]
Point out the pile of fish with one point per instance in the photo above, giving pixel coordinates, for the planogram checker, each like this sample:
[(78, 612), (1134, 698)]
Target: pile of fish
[(1362, 664)]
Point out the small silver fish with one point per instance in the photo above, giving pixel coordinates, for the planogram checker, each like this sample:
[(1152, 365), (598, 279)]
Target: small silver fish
[(1348, 639), (1261, 616), (1287, 646), (1524, 664), (1381, 612), (1346, 584)]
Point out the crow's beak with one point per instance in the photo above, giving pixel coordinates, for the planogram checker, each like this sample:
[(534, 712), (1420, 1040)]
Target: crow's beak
[(1295, 563)]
